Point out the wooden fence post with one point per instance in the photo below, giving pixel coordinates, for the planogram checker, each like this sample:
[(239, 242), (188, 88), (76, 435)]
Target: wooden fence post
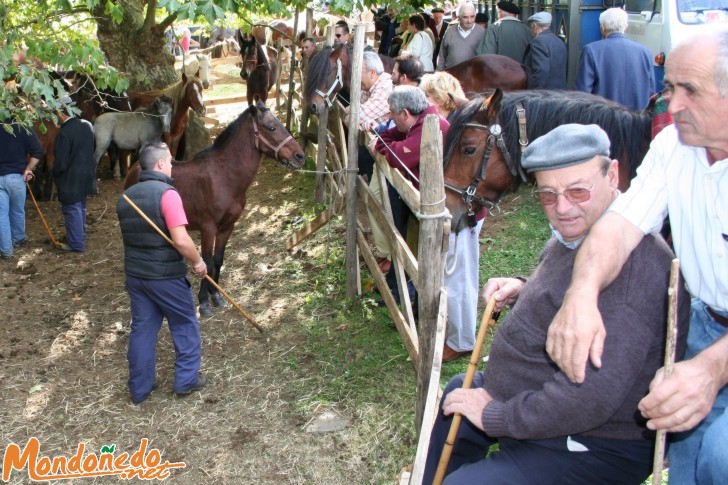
[(431, 274), (352, 259), (291, 82)]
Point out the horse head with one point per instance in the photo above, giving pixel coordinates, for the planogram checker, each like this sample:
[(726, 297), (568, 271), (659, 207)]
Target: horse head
[(204, 62), (193, 94), (163, 108), (272, 138), (476, 169), (249, 53), (326, 75)]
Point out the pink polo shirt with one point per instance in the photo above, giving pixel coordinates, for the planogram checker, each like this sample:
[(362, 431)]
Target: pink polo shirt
[(172, 209)]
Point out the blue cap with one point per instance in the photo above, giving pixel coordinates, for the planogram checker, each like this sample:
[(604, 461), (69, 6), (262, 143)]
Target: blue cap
[(565, 146)]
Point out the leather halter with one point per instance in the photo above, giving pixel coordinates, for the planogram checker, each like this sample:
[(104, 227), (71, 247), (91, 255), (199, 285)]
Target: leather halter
[(469, 195), (337, 81), (260, 137)]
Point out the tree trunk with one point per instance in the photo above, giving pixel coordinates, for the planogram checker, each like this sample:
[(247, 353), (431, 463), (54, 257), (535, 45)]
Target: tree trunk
[(135, 48)]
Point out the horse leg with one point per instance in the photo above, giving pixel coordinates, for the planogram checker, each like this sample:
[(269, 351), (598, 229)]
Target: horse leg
[(221, 240), (203, 296)]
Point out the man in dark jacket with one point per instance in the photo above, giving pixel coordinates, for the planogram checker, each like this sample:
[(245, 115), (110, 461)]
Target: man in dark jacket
[(545, 58), (156, 277), (74, 171), (20, 153), (508, 36)]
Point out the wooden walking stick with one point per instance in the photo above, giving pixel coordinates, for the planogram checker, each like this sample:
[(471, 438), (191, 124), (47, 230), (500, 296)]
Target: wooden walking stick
[(45, 224), (207, 277), (467, 382), (671, 342)]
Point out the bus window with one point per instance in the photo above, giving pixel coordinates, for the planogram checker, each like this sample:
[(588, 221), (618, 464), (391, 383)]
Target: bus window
[(642, 5), (702, 11)]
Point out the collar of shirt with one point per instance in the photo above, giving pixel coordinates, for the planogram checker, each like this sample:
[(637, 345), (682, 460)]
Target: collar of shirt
[(464, 33)]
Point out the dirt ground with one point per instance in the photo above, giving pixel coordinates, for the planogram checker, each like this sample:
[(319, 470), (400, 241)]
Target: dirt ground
[(63, 346)]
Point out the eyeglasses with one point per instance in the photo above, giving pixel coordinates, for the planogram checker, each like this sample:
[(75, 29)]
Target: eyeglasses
[(573, 195)]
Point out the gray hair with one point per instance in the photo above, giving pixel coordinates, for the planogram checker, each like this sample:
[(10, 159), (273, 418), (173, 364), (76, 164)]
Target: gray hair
[(373, 62), (410, 98), (717, 34), (614, 20), (464, 6), (150, 153)]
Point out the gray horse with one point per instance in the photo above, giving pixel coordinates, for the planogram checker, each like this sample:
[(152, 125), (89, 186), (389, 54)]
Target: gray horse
[(132, 130)]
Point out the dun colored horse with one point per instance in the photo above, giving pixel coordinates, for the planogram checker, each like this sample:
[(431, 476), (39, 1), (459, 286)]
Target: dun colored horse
[(329, 75), (260, 67), (185, 94), (488, 71), (213, 184), (483, 146), (131, 130)]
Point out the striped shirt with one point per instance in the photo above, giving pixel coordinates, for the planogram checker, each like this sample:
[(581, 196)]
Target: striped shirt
[(375, 102), (677, 179)]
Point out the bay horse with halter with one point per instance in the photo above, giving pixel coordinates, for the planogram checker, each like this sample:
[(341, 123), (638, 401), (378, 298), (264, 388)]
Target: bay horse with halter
[(185, 94), (260, 67), (484, 144), (214, 183), (329, 75), (488, 71)]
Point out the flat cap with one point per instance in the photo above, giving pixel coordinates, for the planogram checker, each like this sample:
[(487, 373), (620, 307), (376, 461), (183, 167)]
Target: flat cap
[(565, 146), (509, 7), (540, 18), (437, 10)]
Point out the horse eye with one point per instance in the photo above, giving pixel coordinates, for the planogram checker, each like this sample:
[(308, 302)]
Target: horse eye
[(468, 151), (272, 128)]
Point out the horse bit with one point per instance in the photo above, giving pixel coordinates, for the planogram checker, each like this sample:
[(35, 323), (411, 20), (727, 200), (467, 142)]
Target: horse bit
[(259, 136), (495, 135), (337, 82)]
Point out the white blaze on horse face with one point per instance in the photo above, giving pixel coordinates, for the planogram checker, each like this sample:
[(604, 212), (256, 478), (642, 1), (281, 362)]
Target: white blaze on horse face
[(203, 110)]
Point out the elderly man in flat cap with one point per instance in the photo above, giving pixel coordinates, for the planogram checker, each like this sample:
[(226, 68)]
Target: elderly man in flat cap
[(545, 58), (508, 36), (550, 430)]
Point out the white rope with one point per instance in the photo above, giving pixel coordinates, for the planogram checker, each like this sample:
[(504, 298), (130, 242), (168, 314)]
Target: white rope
[(445, 214)]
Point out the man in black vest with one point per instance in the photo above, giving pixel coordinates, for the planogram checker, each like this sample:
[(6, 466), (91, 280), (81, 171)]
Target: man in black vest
[(156, 277)]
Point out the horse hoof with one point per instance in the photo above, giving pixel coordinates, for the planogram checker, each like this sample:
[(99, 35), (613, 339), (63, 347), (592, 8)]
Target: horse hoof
[(205, 310), (218, 300)]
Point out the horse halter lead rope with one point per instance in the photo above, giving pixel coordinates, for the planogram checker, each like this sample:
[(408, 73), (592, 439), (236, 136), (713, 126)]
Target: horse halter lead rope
[(338, 81), (259, 136)]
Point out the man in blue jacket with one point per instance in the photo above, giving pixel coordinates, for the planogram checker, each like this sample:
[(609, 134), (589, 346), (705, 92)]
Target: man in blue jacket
[(615, 67), (545, 58)]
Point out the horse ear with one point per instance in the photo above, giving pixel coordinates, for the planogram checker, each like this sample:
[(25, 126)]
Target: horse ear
[(494, 104), (253, 110), (238, 36), (459, 102), (184, 77)]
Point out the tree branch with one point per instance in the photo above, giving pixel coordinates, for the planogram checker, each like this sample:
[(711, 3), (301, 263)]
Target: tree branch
[(164, 24), (149, 20)]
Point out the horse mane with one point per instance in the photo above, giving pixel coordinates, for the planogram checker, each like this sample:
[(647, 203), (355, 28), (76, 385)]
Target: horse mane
[(545, 110), (229, 133), (318, 70), (153, 108)]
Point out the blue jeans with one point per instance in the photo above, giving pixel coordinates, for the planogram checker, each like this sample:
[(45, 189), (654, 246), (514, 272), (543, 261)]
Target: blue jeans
[(12, 212), (151, 302), (74, 216), (700, 456)]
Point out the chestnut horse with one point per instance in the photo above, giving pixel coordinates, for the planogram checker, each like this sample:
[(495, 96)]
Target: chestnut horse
[(185, 94), (483, 146), (329, 75), (260, 67), (213, 184), (488, 71)]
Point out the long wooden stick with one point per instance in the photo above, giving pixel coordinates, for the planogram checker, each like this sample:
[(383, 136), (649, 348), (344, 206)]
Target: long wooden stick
[(207, 277), (467, 382), (45, 224), (671, 342)]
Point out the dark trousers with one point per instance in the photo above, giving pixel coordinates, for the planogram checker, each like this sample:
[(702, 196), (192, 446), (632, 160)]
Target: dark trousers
[(400, 215), (548, 461), (151, 302), (74, 216)]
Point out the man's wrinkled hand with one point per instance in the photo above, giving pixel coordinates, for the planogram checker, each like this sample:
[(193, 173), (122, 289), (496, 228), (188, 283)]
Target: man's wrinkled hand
[(680, 401), (469, 403), (505, 291), (576, 334)]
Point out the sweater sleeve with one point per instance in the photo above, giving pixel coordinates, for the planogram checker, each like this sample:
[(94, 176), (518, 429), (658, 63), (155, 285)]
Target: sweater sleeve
[(62, 151)]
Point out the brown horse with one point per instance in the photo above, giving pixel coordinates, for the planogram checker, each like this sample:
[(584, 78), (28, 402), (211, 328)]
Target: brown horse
[(488, 71), (483, 146), (260, 67), (329, 74), (213, 184), (185, 94)]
